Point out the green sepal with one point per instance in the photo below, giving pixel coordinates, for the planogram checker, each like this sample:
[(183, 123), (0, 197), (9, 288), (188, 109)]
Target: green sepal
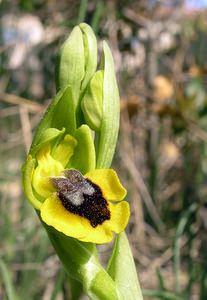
[(27, 172), (60, 114), (90, 47), (107, 138), (70, 68), (46, 137), (92, 102), (64, 115), (80, 261), (84, 157), (123, 271)]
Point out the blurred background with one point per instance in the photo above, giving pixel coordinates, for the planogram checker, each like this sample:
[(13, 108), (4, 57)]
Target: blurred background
[(160, 53)]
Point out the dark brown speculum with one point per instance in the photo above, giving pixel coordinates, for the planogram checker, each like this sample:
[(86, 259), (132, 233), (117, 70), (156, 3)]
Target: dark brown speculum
[(82, 197)]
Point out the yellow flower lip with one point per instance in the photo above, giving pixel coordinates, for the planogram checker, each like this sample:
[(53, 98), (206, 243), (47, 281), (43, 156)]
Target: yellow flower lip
[(82, 197), (96, 223)]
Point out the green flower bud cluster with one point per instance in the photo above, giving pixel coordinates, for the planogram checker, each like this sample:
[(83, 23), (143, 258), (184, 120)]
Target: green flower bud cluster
[(94, 91)]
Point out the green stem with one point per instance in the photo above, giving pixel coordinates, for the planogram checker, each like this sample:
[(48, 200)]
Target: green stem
[(179, 232), (161, 295), (82, 11), (7, 281)]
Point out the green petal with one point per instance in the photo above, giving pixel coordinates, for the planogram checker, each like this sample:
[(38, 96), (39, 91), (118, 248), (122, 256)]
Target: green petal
[(84, 156)]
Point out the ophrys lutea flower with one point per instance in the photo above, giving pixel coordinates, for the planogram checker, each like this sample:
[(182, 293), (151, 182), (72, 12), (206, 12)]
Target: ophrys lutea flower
[(87, 207), (66, 176)]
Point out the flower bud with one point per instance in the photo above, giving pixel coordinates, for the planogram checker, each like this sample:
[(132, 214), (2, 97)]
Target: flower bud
[(92, 102), (77, 63), (111, 109)]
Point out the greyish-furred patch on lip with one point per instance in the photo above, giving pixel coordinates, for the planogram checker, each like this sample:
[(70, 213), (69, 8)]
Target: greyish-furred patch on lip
[(81, 196)]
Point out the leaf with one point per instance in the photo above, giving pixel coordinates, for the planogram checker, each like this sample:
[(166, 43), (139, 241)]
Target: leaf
[(123, 271)]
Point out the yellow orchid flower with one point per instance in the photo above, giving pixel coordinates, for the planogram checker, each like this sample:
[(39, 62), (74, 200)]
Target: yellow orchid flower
[(88, 208)]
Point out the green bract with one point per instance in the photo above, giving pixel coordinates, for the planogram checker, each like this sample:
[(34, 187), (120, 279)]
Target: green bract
[(79, 131)]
